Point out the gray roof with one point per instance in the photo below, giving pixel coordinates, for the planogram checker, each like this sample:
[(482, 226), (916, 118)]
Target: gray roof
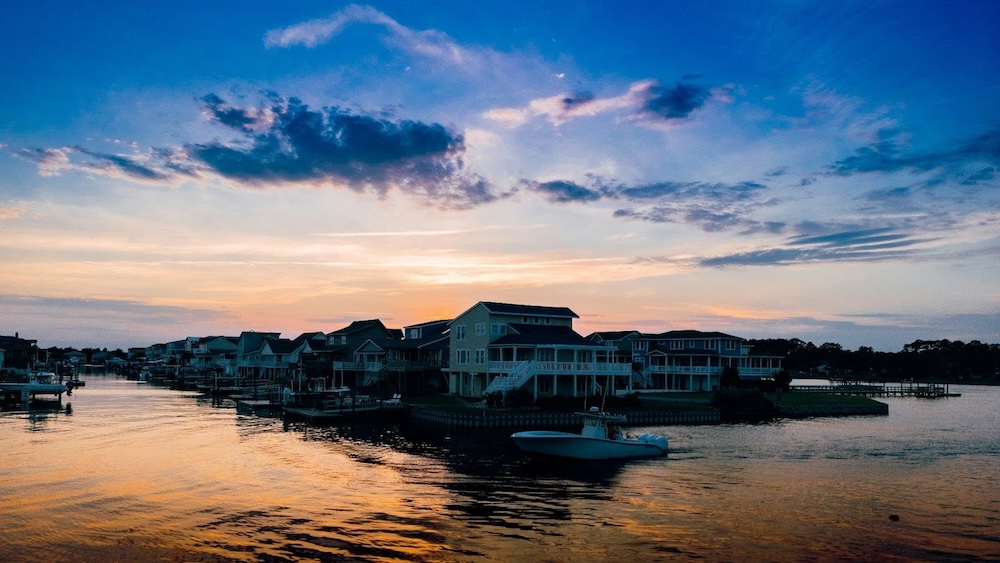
[(687, 335), (534, 335), (529, 310)]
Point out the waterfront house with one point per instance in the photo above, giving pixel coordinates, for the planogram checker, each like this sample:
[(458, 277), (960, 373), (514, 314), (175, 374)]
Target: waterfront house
[(216, 352), (359, 352), (17, 354), (248, 353), (75, 357), (692, 360), (503, 346), (415, 361)]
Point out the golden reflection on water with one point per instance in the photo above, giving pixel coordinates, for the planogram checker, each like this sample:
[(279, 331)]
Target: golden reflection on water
[(138, 473)]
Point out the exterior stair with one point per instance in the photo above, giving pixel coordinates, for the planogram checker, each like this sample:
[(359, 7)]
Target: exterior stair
[(521, 374)]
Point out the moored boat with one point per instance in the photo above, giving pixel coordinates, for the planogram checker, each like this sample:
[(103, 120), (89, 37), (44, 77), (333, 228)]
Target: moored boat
[(600, 439), (39, 383)]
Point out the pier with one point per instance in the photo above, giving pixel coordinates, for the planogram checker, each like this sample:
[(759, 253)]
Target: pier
[(875, 389)]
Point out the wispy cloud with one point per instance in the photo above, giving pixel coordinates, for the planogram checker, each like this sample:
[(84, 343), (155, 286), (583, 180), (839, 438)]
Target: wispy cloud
[(972, 161), (712, 207), (868, 245), (428, 43), (12, 211)]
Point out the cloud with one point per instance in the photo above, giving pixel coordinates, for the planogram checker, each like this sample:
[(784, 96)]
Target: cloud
[(561, 191), (9, 211), (886, 155), (674, 103), (646, 101), (287, 142), (864, 245), (50, 161), (711, 206), (339, 147), (429, 43)]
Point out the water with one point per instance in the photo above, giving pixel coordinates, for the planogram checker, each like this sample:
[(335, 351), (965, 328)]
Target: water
[(125, 471)]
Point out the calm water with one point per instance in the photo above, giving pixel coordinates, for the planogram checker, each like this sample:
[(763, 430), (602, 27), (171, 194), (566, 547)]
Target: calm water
[(126, 471)]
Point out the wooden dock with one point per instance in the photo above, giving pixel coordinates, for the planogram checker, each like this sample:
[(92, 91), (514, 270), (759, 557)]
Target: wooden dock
[(902, 389)]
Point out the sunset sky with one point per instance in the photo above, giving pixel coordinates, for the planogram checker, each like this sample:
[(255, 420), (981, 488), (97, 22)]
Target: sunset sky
[(820, 170)]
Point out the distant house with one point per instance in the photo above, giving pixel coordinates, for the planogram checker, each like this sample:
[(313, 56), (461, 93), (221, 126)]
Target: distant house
[(692, 360), (415, 361), (504, 346), (248, 360), (216, 352), (359, 352), (17, 354), (74, 357)]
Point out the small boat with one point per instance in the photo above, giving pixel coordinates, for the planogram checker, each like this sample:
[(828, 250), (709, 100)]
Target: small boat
[(39, 383), (600, 439)]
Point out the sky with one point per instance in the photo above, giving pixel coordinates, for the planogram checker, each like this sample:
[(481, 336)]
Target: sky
[(817, 170)]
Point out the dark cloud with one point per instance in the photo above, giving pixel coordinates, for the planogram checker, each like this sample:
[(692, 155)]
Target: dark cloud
[(578, 99), (227, 115), (885, 155), (336, 146), (713, 207), (285, 142), (863, 245), (561, 191), (674, 103)]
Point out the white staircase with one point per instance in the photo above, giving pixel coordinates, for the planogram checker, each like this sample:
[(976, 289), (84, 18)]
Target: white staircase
[(521, 374)]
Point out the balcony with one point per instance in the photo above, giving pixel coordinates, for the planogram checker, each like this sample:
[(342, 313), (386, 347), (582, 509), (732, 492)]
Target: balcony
[(359, 366), (566, 368)]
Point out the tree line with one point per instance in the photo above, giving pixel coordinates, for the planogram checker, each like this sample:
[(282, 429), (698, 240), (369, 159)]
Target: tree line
[(937, 360)]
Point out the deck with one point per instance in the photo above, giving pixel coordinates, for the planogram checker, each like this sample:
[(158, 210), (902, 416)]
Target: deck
[(903, 389)]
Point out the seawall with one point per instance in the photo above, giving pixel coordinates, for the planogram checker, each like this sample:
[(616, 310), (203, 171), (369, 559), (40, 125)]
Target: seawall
[(486, 419), (807, 411)]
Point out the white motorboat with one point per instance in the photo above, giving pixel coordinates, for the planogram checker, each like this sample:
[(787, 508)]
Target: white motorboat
[(601, 438), (39, 383)]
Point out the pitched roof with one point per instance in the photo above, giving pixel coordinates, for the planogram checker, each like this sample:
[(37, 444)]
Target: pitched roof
[(526, 334), (608, 336), (531, 310), (688, 334), (281, 345), (358, 325)]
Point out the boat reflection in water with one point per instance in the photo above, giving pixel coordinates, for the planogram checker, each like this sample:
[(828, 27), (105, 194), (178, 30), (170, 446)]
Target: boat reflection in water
[(601, 438), (140, 472)]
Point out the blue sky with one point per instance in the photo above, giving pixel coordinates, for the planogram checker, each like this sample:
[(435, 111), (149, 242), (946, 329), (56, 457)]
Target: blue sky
[(819, 170)]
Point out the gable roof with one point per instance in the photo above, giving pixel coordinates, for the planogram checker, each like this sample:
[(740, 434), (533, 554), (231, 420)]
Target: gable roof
[(280, 345), (523, 310), (358, 326), (611, 336)]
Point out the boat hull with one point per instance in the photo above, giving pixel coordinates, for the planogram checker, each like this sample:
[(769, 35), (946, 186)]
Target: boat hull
[(575, 446)]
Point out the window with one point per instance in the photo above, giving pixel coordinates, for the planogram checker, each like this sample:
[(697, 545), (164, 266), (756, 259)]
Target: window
[(481, 356), (640, 344), (463, 357), (690, 343), (676, 345), (498, 329), (480, 329), (711, 344), (414, 333), (730, 345), (460, 333)]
